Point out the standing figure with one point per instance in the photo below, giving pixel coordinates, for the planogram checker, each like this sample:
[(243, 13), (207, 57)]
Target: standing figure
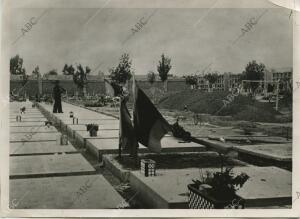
[(57, 91)]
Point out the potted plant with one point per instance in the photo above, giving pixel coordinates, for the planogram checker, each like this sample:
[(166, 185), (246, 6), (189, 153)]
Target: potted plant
[(217, 190), (92, 129)]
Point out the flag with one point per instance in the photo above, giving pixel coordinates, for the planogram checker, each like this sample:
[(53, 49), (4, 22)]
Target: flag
[(127, 138), (109, 89), (149, 124)]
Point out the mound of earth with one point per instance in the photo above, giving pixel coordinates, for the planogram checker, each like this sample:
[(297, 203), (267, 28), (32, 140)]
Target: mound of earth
[(240, 108)]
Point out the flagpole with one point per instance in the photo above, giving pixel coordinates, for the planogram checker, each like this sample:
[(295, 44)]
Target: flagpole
[(135, 154), (120, 135)]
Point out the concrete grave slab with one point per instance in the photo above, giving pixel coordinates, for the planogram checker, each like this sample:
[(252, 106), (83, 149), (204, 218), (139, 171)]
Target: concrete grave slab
[(30, 119), (27, 112), (267, 186), (69, 192), (80, 127), (279, 152), (33, 136), (28, 115), (49, 165), (35, 148), (87, 121), (260, 139), (71, 129), (22, 124), (98, 147), (32, 129), (81, 136)]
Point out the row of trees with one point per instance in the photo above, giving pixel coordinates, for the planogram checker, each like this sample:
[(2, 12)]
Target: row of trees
[(79, 74), (119, 75), (123, 72)]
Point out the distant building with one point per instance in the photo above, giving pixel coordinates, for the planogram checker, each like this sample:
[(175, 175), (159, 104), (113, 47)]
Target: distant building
[(283, 73), (219, 85), (232, 80), (203, 83), (16, 77), (224, 82)]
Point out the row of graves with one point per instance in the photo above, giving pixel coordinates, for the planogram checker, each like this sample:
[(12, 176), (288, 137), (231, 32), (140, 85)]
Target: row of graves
[(166, 166), (47, 171)]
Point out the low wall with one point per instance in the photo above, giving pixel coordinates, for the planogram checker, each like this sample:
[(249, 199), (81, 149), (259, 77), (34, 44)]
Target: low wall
[(31, 87), (93, 86)]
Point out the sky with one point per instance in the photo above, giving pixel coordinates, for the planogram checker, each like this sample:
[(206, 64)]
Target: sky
[(196, 39)]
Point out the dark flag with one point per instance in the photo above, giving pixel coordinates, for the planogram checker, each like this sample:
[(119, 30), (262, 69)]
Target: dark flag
[(149, 124), (127, 138)]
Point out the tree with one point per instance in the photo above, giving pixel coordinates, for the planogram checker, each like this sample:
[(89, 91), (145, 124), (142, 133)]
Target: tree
[(212, 78), (16, 66), (123, 72), (68, 70), (163, 69), (52, 72), (253, 71), (192, 80), (80, 78), (36, 72), (151, 77)]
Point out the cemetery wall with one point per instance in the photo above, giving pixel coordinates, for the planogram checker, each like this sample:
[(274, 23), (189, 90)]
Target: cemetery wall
[(93, 86)]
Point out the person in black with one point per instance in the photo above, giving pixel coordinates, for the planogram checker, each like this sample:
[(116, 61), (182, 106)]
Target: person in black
[(57, 91)]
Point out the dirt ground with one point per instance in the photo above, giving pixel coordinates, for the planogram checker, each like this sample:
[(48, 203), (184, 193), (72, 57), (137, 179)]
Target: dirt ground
[(212, 125)]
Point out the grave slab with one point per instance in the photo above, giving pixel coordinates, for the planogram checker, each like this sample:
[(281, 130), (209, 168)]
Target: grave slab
[(64, 124), (27, 113), (87, 121), (23, 124), (35, 148), (267, 186), (82, 136), (30, 119), (30, 115), (69, 192), (98, 147), (81, 127), (33, 136), (49, 165), (32, 129), (260, 139), (279, 152)]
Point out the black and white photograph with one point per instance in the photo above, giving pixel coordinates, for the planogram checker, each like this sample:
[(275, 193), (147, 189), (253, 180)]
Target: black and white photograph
[(131, 105)]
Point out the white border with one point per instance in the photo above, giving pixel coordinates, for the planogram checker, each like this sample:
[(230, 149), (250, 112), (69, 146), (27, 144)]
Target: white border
[(4, 108)]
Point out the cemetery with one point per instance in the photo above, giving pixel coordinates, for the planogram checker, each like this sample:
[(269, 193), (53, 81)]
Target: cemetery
[(58, 152)]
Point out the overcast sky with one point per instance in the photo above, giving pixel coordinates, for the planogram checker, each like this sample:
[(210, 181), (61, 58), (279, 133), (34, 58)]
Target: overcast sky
[(192, 38)]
